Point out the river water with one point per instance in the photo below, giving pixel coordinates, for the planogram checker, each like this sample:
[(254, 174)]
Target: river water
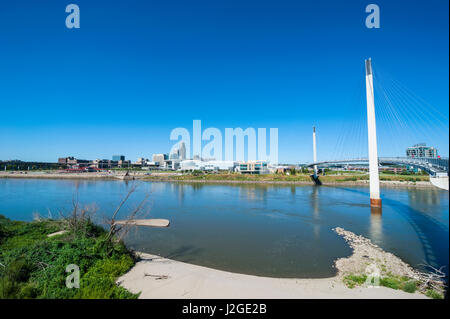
[(267, 230)]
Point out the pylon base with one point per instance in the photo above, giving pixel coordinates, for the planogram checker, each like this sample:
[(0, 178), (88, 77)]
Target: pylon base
[(375, 202)]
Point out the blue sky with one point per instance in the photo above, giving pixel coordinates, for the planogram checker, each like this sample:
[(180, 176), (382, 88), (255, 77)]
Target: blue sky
[(135, 70)]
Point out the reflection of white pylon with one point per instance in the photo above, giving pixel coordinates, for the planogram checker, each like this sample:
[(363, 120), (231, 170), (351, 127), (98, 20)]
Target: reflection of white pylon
[(373, 276), (374, 180)]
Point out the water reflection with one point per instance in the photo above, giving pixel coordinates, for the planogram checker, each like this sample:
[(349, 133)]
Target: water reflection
[(419, 197), (376, 226), (315, 209), (250, 192)]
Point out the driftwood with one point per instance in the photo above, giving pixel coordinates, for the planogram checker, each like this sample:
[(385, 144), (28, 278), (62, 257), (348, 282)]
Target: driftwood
[(154, 222), (157, 276)]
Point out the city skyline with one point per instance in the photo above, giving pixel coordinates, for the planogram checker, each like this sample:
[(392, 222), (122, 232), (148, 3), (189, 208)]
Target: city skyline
[(124, 80)]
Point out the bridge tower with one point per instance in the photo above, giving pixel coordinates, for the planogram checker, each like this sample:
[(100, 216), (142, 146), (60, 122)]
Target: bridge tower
[(314, 151), (375, 200)]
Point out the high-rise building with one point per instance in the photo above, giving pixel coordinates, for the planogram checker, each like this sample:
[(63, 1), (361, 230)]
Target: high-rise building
[(421, 150), (118, 158), (182, 151), (179, 153)]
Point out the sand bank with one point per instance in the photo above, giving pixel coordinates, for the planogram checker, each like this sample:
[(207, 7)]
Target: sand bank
[(158, 277)]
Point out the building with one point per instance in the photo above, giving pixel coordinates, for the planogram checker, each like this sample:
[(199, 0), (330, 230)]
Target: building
[(101, 163), (71, 161), (141, 161), (421, 150), (117, 158), (106, 164), (193, 165), (182, 151), (171, 164), (253, 167), (179, 153), (159, 159)]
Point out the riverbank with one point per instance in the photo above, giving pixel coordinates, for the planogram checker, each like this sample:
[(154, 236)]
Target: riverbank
[(34, 257), (420, 184), (161, 278), (157, 277), (37, 257), (272, 179)]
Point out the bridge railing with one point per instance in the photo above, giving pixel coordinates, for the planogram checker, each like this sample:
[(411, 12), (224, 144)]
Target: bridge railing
[(433, 165)]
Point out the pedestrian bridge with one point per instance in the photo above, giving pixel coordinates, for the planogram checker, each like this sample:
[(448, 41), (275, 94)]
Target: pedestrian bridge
[(433, 166), (437, 167)]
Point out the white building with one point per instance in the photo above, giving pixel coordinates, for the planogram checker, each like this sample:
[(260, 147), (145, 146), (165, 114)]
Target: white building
[(159, 159), (191, 165), (253, 167), (421, 150)]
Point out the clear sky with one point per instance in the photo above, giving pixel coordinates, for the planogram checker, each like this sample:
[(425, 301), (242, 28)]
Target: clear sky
[(135, 70)]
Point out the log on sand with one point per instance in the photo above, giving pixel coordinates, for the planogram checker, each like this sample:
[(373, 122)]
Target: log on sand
[(154, 222)]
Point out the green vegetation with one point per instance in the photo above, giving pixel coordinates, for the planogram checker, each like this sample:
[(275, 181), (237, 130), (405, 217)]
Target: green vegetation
[(293, 176), (354, 280), (33, 265), (25, 166), (390, 281), (434, 294)]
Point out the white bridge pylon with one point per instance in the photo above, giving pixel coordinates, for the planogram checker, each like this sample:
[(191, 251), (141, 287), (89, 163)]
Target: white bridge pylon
[(374, 179), (438, 168)]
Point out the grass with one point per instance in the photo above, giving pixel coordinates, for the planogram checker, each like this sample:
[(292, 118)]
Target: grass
[(299, 177), (354, 280), (390, 281), (434, 294), (34, 265)]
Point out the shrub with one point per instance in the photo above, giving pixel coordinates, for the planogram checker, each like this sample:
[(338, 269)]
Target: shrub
[(434, 294), (34, 266), (390, 282), (354, 280), (410, 286)]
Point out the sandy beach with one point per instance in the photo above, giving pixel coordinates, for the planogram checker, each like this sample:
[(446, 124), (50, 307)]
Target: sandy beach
[(158, 277), (161, 278)]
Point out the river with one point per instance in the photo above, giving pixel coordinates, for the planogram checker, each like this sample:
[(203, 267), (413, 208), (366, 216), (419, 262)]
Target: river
[(259, 229)]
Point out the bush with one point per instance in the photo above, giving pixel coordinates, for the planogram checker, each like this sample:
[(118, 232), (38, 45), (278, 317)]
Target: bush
[(35, 265), (100, 280), (390, 282), (434, 294), (354, 280), (410, 286)]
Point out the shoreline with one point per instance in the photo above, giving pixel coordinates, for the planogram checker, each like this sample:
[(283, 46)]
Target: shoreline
[(160, 278), (421, 184), (167, 179), (156, 277)]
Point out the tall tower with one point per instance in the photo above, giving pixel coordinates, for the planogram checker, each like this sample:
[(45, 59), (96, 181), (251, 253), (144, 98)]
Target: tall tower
[(314, 151), (375, 200), (182, 151)]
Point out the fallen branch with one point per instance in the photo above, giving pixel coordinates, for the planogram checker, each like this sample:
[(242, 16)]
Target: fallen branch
[(157, 276)]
